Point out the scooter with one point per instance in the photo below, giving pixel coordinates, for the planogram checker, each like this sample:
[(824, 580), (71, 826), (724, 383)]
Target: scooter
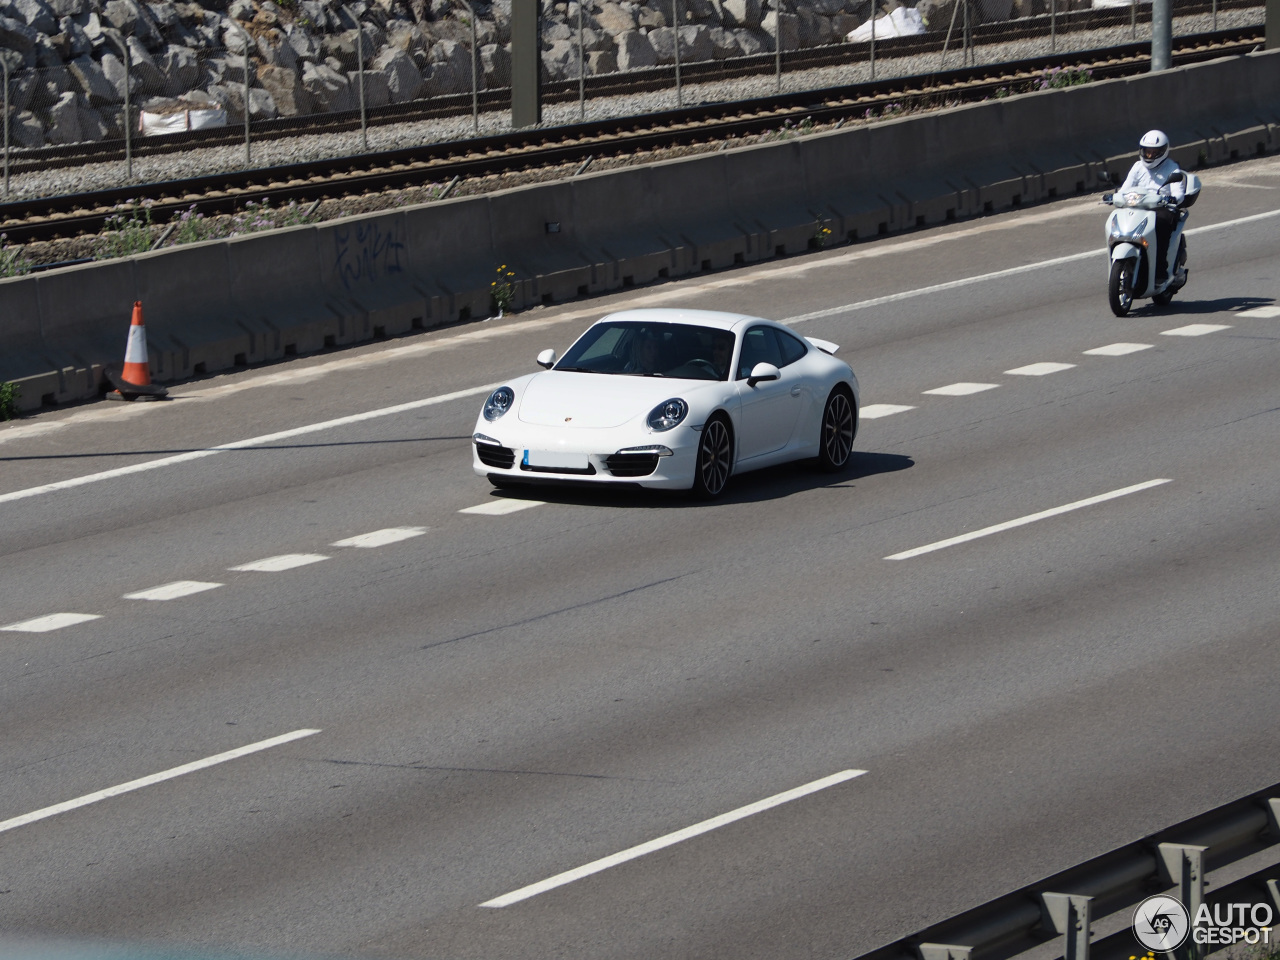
[(1131, 238)]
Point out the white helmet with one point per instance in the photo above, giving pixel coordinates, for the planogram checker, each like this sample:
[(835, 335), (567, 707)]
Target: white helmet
[(1154, 147)]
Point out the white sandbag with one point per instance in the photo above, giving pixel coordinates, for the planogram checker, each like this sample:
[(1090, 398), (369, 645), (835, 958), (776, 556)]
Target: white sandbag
[(900, 22), (180, 121)]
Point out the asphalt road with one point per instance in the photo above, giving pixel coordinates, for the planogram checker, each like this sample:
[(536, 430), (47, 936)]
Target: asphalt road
[(485, 701)]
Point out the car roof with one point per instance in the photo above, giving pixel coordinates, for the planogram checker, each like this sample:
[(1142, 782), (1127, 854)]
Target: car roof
[(702, 318)]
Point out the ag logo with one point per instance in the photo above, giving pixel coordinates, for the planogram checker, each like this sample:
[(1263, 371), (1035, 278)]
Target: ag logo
[(1161, 923)]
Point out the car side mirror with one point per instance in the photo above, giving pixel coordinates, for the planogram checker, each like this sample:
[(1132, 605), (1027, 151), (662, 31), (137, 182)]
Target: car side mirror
[(547, 358), (763, 371)]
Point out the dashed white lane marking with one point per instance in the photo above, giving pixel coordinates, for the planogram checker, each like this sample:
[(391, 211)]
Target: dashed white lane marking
[(1023, 521), (192, 767), (560, 879), (380, 538), (172, 591), (53, 621), (1195, 330), (961, 389), (1265, 313), (1117, 349), (1040, 369), (496, 508), (245, 444), (286, 561), (876, 410)]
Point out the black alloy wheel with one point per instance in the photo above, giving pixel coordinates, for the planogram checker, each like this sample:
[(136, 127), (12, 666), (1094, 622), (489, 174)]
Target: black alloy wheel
[(715, 459), (839, 426)]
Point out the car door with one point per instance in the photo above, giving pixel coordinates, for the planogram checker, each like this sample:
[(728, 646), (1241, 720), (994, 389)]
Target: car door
[(768, 409)]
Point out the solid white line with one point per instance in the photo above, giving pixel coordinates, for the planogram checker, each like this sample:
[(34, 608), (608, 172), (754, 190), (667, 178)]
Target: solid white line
[(961, 389), (670, 839), (1195, 330), (192, 767), (496, 508), (53, 621), (876, 410), (380, 538), (1023, 521), (286, 561), (1117, 349), (1040, 369), (172, 591), (245, 444)]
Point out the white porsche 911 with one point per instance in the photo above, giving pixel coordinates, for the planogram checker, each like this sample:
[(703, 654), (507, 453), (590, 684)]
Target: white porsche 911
[(672, 399)]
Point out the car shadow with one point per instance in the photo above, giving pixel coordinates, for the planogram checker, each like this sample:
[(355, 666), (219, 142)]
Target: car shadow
[(1222, 305), (771, 483)]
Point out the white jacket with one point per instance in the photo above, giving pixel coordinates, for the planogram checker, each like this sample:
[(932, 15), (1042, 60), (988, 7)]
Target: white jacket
[(1142, 179)]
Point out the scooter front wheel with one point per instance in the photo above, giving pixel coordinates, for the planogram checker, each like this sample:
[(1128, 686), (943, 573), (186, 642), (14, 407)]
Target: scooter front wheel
[(1120, 287)]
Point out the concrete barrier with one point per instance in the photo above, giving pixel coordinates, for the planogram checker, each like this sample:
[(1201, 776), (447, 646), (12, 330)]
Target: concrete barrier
[(227, 303)]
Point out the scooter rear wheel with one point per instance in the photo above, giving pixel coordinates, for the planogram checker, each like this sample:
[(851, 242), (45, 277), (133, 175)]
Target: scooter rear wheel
[(1120, 287)]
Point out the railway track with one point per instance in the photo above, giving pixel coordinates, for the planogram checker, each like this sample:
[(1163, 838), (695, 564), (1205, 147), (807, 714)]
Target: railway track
[(86, 213)]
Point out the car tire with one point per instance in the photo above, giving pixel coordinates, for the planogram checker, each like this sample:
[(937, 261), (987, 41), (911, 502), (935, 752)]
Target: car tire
[(715, 459), (1120, 287), (838, 428)]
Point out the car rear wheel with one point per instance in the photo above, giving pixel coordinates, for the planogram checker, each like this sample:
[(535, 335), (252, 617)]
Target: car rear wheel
[(839, 426), (715, 459)]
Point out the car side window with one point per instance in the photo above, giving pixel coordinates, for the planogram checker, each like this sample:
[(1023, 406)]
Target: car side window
[(792, 348), (758, 346)]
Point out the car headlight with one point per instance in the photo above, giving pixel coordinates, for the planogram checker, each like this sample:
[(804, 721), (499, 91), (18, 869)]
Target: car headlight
[(668, 414), (499, 402)]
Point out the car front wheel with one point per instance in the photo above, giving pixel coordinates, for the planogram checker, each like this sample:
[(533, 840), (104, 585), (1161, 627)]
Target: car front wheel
[(715, 459)]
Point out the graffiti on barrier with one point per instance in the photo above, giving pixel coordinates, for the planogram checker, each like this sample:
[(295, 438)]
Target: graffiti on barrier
[(368, 251)]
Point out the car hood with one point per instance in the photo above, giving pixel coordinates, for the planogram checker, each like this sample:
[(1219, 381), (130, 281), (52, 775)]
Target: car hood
[(595, 400)]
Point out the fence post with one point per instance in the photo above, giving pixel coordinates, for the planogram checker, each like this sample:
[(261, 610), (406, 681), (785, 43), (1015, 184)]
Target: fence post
[(582, 69), (475, 83), (873, 39), (5, 64), (364, 126), (1068, 915), (1182, 865), (128, 129), (675, 16), (248, 154), (777, 45), (526, 64), (1053, 26), (1161, 35)]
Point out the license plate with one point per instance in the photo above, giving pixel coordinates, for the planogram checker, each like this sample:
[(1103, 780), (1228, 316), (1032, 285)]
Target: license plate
[(555, 460)]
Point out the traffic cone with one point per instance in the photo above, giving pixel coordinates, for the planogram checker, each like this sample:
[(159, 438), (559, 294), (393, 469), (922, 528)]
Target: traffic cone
[(134, 381)]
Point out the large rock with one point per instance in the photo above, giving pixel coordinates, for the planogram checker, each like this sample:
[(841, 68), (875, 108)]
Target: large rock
[(790, 30), (26, 131), (600, 62), (450, 66), (376, 91), (495, 61), (724, 45), (290, 96), (695, 44), (149, 76), (181, 69), (36, 14), (635, 52), (651, 19), (231, 96), (404, 80), (277, 51), (561, 62), (93, 82), (995, 10), (18, 37), (113, 69), (306, 46), (742, 13), (64, 120), (331, 89), (77, 40), (165, 16), (554, 32), (614, 18), (815, 29), (70, 8), (133, 19)]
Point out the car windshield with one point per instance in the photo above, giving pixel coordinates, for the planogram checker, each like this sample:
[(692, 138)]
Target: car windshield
[(639, 349)]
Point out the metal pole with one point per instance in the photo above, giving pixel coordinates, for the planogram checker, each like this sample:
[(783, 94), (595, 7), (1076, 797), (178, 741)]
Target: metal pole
[(968, 39), (675, 15), (777, 44), (582, 68), (1161, 35), (873, 39), (364, 125), (248, 156), (1273, 24), (475, 82), (1053, 27), (128, 130), (955, 9), (1215, 14), (5, 64), (1133, 19)]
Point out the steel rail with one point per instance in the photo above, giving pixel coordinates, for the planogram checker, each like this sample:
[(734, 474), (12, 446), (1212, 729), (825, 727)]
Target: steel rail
[(605, 85), (82, 214)]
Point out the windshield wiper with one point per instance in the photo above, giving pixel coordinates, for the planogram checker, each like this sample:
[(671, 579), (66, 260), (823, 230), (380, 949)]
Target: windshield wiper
[(576, 370)]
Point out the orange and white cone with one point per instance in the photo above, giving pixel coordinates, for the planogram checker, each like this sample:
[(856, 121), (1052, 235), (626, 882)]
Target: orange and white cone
[(134, 381)]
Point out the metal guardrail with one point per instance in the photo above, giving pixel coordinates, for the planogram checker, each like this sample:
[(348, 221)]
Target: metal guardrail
[(1066, 905)]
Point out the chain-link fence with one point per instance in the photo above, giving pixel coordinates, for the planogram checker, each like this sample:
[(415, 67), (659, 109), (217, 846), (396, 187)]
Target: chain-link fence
[(266, 83)]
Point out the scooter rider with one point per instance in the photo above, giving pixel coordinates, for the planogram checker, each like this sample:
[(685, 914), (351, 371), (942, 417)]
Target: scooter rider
[(1153, 171)]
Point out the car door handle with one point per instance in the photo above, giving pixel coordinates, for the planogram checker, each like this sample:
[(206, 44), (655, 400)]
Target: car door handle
[(795, 391)]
